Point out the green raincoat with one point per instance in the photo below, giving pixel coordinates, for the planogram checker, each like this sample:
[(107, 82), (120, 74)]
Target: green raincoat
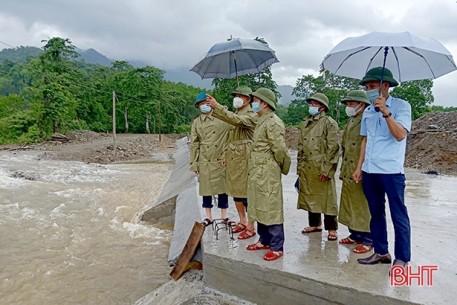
[(238, 147), (207, 144), (318, 154), (268, 159), (354, 212)]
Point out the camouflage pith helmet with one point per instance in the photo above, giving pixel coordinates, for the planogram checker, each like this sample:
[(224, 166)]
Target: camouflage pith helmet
[(267, 96), (356, 95), (201, 97), (319, 97), (243, 90)]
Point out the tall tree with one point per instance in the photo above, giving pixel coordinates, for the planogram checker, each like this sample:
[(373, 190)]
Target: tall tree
[(333, 86), (58, 78)]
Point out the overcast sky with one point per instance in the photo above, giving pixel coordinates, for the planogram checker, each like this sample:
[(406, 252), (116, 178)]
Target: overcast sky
[(172, 34)]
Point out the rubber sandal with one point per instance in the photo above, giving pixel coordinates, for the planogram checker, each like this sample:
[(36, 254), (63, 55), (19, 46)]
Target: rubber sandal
[(272, 255), (246, 234), (238, 228), (256, 246), (311, 230), (360, 249), (347, 241), (332, 235), (206, 222)]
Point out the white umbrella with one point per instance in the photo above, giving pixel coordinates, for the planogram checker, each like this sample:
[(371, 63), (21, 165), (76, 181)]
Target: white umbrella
[(407, 56), (235, 57)]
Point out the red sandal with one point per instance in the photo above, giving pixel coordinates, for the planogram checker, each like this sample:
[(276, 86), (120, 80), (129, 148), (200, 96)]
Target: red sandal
[(272, 255), (246, 234), (257, 246), (238, 228), (347, 241)]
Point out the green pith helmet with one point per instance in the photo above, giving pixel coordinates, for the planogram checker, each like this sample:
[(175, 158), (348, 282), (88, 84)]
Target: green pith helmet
[(267, 96), (356, 95), (374, 74), (200, 98), (319, 97), (243, 90)]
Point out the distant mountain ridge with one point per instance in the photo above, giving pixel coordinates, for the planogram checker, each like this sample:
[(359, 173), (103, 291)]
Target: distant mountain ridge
[(22, 54)]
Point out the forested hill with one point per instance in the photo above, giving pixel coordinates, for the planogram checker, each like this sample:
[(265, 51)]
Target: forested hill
[(49, 90), (23, 54)]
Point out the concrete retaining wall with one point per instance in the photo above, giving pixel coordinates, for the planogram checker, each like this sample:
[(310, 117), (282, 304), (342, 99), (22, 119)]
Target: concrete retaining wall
[(178, 203)]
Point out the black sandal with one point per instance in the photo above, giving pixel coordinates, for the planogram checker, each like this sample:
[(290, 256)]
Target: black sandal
[(206, 222)]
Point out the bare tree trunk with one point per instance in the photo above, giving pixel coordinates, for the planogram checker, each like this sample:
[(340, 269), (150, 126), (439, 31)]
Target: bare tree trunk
[(126, 117), (147, 124)]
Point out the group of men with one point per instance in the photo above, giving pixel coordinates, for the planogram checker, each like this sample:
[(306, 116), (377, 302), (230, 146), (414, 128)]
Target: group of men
[(243, 154)]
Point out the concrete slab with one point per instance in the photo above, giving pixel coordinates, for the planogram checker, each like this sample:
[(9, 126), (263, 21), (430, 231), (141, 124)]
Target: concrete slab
[(316, 271)]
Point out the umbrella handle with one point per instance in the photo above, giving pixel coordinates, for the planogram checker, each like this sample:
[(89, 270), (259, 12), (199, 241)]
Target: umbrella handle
[(386, 50)]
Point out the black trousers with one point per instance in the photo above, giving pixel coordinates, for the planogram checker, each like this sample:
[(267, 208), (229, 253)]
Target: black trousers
[(330, 221), (271, 235)]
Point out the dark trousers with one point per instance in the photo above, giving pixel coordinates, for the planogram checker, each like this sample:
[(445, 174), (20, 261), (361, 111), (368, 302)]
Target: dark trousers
[(242, 200), (330, 221), (375, 186), (272, 235), (222, 201), (363, 237)]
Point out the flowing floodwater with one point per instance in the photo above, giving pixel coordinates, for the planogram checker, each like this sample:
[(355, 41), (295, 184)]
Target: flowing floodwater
[(67, 234)]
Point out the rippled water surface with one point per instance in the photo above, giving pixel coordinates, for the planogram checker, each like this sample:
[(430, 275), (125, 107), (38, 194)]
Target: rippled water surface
[(67, 234)]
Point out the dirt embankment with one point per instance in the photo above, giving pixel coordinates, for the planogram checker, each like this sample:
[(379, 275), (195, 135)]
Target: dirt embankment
[(432, 143)]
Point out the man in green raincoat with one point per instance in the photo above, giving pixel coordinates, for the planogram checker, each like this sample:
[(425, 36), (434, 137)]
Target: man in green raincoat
[(239, 143), (354, 211), (317, 160), (268, 159), (207, 145)]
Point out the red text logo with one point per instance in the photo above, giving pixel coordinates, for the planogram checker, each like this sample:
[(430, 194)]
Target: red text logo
[(407, 276)]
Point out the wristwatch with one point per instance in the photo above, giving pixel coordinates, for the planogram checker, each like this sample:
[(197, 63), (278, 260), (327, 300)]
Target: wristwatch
[(386, 116)]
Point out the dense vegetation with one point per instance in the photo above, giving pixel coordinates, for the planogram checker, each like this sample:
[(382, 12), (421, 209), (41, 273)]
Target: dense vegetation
[(49, 90)]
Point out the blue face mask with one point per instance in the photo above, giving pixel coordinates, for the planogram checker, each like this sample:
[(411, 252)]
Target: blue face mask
[(372, 95), (313, 110), (205, 108), (256, 106)]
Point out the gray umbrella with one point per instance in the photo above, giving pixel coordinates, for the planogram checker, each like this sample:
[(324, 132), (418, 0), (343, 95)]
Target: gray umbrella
[(235, 57)]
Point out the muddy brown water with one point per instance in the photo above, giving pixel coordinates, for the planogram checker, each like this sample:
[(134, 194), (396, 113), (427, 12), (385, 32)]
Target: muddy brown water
[(68, 234)]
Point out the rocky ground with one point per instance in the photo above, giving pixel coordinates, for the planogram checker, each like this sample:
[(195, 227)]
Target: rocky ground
[(432, 145)]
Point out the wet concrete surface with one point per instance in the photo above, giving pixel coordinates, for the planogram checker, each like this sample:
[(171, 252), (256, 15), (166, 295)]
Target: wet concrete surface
[(316, 271)]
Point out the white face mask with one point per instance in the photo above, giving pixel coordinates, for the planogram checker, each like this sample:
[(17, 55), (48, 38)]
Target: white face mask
[(313, 110), (352, 111), (237, 102)]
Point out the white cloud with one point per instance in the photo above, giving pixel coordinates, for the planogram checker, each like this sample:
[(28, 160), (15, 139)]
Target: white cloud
[(176, 33)]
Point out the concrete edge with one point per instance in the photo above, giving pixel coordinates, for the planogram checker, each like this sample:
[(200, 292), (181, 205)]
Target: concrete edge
[(271, 286), (181, 178)]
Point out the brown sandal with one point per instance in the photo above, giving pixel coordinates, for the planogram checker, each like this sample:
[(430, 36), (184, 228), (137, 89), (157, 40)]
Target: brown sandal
[(332, 235), (360, 249)]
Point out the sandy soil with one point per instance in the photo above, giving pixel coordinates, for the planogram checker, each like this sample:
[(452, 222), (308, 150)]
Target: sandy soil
[(92, 147)]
